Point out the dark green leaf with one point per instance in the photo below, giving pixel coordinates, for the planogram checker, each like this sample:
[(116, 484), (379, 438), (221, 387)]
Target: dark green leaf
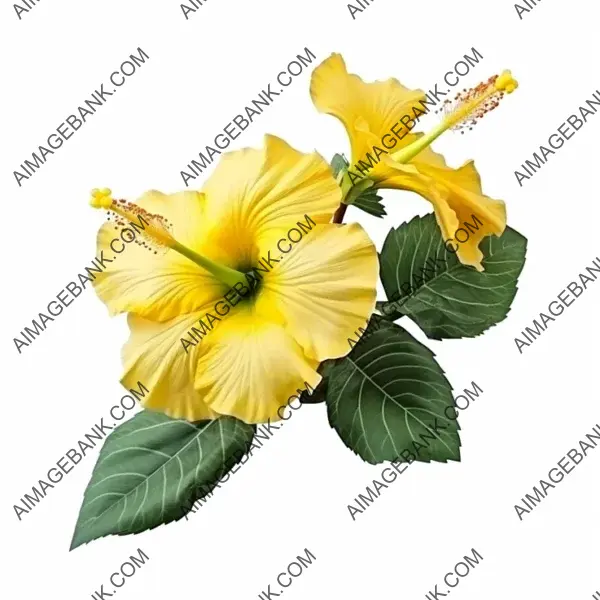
[(370, 202), (445, 298), (152, 468), (388, 393)]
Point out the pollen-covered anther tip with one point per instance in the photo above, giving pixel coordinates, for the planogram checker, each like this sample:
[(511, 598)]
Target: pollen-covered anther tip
[(101, 198), (470, 106), (149, 230), (506, 82)]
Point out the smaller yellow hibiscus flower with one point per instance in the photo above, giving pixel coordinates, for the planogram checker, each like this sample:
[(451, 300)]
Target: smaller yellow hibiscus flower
[(376, 116), (264, 343)]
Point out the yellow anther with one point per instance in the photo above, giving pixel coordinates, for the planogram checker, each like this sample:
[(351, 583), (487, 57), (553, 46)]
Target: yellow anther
[(506, 83), (101, 198), (154, 226)]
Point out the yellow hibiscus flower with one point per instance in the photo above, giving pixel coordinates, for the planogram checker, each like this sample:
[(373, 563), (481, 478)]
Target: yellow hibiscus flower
[(266, 333), (392, 157)]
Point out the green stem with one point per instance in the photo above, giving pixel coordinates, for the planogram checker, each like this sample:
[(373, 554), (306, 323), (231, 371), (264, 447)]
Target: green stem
[(222, 273), (409, 152)]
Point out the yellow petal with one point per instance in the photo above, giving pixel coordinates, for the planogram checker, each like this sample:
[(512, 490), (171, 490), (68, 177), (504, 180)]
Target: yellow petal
[(367, 110), (155, 356), (249, 367), (324, 288), (456, 195), (252, 191), (157, 286)]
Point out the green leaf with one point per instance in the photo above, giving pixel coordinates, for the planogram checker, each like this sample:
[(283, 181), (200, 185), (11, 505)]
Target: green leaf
[(363, 194), (445, 298), (370, 202), (152, 468), (386, 394), (319, 394)]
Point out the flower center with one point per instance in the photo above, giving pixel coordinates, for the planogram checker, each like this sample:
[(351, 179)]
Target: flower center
[(468, 108), (156, 230)]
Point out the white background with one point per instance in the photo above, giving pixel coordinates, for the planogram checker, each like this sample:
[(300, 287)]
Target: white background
[(293, 493)]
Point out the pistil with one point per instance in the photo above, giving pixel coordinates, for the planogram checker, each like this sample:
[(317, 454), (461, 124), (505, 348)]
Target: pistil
[(158, 231), (471, 106)]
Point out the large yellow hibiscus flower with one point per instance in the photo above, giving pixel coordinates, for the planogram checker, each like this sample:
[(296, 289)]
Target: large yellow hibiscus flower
[(266, 334), (378, 118)]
